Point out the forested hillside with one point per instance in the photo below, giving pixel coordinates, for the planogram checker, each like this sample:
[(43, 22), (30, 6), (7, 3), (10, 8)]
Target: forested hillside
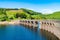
[(7, 14)]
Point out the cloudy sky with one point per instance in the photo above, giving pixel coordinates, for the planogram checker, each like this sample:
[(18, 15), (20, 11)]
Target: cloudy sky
[(44, 6)]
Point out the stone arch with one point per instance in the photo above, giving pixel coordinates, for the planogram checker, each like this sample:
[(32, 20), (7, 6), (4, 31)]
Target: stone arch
[(32, 22), (36, 22)]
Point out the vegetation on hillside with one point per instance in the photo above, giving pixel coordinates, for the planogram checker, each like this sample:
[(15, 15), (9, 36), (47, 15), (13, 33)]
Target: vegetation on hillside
[(7, 14), (55, 15)]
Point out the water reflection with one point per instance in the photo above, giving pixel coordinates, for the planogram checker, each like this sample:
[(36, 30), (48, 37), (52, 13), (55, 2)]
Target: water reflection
[(19, 32), (43, 33)]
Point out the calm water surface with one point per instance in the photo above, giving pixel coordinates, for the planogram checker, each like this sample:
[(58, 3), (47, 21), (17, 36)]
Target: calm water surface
[(19, 32)]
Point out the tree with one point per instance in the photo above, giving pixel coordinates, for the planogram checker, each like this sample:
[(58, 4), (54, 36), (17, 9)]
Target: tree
[(21, 15)]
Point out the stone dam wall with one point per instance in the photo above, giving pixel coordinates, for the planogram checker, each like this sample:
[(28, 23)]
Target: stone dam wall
[(52, 26)]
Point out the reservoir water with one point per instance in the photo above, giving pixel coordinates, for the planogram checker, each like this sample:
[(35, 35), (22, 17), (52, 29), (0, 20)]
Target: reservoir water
[(19, 32)]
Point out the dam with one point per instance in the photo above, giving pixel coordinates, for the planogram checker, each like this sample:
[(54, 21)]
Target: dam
[(30, 30), (52, 26)]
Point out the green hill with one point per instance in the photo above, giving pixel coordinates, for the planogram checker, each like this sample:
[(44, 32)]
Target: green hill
[(22, 13), (55, 15)]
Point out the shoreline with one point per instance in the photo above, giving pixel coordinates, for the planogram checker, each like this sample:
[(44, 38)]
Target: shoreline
[(9, 22)]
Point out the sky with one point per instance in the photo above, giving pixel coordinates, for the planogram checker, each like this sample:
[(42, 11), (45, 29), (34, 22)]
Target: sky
[(43, 6)]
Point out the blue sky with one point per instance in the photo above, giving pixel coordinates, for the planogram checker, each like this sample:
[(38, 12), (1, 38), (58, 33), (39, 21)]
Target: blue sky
[(44, 6)]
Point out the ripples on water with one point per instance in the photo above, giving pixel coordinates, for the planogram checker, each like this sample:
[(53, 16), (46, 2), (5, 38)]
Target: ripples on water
[(19, 32)]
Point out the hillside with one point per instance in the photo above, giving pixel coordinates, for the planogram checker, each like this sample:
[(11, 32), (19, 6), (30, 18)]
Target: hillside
[(55, 15), (22, 13)]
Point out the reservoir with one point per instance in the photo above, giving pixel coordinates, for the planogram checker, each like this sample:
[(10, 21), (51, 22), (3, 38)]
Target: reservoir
[(19, 32)]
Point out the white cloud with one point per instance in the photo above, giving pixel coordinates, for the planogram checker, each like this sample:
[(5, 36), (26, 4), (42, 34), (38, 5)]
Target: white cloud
[(47, 11)]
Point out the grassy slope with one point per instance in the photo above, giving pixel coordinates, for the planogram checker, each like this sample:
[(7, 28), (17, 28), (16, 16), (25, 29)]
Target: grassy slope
[(55, 15)]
